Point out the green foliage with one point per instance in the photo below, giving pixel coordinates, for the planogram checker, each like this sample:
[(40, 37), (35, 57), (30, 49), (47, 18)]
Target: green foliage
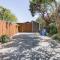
[(48, 7), (53, 29), (56, 37), (40, 6), (41, 22), (4, 39), (5, 14), (42, 1)]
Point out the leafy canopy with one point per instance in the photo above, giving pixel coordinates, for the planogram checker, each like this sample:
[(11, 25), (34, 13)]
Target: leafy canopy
[(6, 14), (40, 6)]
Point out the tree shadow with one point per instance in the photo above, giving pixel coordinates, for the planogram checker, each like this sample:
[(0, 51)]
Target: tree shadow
[(25, 49), (24, 40), (23, 43)]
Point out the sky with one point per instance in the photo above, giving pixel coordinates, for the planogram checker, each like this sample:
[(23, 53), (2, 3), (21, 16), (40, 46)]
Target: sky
[(20, 8)]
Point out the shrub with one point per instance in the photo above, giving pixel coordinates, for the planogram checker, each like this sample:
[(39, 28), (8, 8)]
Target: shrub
[(53, 29), (4, 39), (56, 37)]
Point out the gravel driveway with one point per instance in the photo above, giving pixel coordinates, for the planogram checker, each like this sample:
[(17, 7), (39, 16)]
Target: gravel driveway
[(30, 46)]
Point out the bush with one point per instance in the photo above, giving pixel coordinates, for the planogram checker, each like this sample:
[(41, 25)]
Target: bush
[(53, 29), (4, 39), (56, 37)]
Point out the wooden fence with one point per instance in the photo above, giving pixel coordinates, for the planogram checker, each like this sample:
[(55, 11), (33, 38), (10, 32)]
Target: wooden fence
[(10, 29), (7, 28), (28, 27)]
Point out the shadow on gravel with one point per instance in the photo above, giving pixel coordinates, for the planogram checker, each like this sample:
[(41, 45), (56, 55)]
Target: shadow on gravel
[(27, 48), (26, 41), (22, 43)]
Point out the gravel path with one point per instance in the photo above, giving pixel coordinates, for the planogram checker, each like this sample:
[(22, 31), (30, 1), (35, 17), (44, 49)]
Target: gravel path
[(30, 46)]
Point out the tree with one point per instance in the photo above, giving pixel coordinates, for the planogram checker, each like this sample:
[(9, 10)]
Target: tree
[(5, 14), (41, 6), (41, 22), (44, 7), (53, 28)]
